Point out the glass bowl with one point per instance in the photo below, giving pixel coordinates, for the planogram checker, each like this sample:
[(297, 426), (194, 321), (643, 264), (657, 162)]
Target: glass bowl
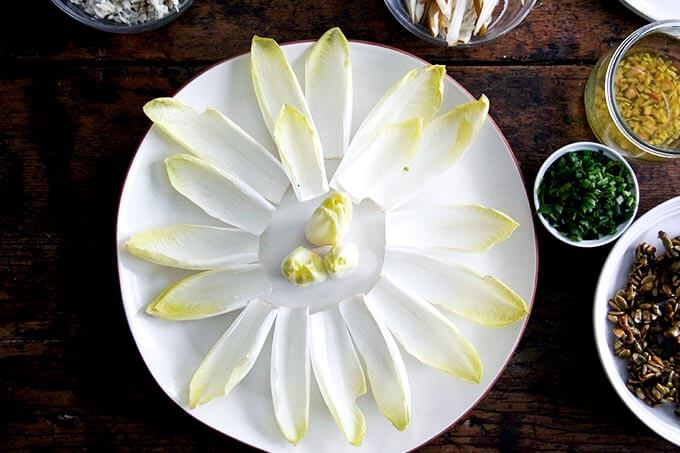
[(608, 99), (506, 16), (77, 13)]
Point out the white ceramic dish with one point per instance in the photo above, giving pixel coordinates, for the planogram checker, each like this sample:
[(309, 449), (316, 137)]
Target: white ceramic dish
[(654, 10), (172, 351), (585, 146), (614, 275)]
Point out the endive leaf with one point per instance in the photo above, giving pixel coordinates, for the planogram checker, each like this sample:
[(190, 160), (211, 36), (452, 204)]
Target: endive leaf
[(301, 153), (212, 136), (196, 247), (384, 365), (274, 81), (423, 331), (331, 221), (328, 89), (219, 193), (211, 293), (442, 143), (387, 154), (234, 354), (470, 228), (338, 372), (416, 95), (482, 299), (290, 372)]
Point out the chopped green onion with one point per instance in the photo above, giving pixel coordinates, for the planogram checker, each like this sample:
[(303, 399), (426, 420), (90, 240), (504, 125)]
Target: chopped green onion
[(586, 195)]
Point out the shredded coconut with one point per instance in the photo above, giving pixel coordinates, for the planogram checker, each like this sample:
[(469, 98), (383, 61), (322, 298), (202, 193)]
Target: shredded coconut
[(128, 11)]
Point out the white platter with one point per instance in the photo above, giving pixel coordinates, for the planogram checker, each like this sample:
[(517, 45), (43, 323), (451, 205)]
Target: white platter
[(654, 10), (488, 174), (614, 275)]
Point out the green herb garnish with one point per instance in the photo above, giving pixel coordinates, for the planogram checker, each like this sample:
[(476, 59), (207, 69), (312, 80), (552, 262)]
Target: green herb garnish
[(586, 195)]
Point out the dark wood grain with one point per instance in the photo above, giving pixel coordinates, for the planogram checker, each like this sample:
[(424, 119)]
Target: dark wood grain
[(70, 375), (565, 30)]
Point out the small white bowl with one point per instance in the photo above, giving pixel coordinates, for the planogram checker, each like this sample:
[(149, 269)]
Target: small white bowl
[(586, 146)]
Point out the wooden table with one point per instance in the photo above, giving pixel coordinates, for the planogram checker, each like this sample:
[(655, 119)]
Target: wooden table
[(70, 122)]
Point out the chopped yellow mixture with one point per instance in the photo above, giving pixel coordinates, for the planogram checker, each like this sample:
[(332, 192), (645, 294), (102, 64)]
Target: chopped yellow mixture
[(647, 89)]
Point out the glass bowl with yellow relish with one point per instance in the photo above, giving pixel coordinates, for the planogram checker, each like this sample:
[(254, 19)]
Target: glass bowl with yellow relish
[(632, 97)]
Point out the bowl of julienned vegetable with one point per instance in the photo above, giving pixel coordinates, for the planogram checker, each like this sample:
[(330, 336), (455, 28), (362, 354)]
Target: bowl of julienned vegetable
[(586, 194)]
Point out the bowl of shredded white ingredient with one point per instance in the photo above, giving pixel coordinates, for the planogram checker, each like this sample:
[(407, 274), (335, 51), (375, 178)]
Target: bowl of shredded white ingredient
[(123, 16)]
